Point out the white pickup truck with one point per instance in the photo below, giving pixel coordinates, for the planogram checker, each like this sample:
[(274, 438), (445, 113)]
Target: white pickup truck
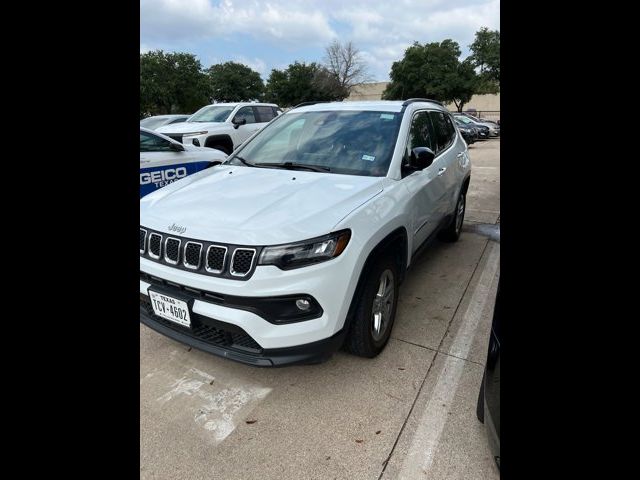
[(222, 126)]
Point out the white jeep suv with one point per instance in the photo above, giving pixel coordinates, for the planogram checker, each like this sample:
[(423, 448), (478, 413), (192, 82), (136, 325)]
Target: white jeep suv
[(296, 245), (222, 126)]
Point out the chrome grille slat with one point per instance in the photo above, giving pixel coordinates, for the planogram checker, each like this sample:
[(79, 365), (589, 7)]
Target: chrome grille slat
[(213, 264), (155, 245), (242, 264), (172, 250), (143, 240), (190, 249)]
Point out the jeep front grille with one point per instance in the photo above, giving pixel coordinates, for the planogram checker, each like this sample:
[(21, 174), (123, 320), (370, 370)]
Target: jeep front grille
[(208, 258)]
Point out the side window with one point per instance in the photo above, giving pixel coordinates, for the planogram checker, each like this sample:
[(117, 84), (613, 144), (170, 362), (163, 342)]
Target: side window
[(152, 143), (265, 114), (443, 138), (451, 129), (421, 133), (246, 113)]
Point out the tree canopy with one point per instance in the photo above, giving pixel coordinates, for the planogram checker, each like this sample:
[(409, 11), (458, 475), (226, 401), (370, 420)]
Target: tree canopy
[(434, 71), (234, 82), (302, 82), (171, 83), (485, 57)]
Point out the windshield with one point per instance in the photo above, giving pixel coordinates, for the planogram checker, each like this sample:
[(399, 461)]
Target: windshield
[(211, 114), (346, 142), (153, 122)]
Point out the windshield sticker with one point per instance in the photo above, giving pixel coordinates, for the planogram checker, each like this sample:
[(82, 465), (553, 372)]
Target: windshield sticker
[(387, 116), (368, 158)]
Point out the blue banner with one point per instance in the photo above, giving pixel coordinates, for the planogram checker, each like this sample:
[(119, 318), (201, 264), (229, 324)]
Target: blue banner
[(154, 178)]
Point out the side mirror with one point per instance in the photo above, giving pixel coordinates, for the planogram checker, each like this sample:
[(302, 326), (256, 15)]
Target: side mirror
[(421, 158), (176, 147), (237, 123)]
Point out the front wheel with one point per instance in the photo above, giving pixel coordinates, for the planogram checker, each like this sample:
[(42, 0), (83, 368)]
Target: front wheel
[(452, 232), (376, 310)]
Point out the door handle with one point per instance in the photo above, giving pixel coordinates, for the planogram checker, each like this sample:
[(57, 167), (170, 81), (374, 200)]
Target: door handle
[(442, 170)]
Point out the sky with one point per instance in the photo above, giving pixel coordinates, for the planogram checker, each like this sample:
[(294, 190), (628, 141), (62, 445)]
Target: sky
[(274, 33)]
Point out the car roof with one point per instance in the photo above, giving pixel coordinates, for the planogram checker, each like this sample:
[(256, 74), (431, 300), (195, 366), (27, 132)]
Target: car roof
[(370, 105), (173, 115), (235, 104)]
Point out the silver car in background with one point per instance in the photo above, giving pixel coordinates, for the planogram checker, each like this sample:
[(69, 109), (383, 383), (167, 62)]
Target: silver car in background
[(494, 128), (157, 121)]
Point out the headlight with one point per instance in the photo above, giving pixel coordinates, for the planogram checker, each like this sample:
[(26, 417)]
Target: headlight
[(193, 134), (308, 252)]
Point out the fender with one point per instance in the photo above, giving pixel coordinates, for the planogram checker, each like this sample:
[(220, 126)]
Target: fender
[(224, 140)]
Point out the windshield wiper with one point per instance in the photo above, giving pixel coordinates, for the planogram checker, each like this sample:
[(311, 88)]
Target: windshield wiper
[(295, 166)]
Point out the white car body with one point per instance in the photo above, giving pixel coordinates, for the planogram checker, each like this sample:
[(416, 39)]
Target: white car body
[(257, 207), (224, 135), (161, 165)]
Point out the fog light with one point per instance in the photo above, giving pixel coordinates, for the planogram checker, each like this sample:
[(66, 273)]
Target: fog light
[(196, 142), (303, 304)]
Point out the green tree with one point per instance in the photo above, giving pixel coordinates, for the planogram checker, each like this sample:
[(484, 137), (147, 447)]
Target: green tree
[(485, 57), (301, 82), (432, 70), (171, 83), (234, 82)]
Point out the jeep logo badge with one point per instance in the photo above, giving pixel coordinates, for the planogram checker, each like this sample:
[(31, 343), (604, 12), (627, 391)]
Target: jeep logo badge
[(177, 228)]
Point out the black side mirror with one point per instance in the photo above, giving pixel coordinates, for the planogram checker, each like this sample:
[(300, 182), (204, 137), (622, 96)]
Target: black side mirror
[(176, 147), (421, 158), (237, 123)]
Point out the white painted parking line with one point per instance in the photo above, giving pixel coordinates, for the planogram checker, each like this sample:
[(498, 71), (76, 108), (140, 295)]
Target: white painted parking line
[(432, 421), (215, 407)]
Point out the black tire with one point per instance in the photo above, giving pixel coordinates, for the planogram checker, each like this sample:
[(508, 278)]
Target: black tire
[(452, 232), (222, 148), (480, 404), (361, 339)]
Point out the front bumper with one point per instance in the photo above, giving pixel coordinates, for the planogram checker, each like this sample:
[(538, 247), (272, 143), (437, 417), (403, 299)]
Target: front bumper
[(331, 284), (228, 341)]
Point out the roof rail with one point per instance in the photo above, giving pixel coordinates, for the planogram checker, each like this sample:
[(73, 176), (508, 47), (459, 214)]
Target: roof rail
[(304, 104), (412, 100)]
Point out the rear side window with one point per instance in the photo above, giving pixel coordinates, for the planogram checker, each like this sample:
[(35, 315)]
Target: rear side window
[(265, 114), (443, 137)]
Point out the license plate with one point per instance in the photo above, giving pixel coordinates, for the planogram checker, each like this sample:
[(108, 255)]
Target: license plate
[(170, 308)]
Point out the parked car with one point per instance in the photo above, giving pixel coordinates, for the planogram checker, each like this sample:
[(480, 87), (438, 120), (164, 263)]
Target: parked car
[(481, 120), (163, 160), (298, 243), (469, 132), (158, 121), (482, 132), (222, 126), (488, 407), (494, 130)]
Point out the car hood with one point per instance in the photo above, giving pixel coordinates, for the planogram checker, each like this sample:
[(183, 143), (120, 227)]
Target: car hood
[(188, 127), (256, 206)]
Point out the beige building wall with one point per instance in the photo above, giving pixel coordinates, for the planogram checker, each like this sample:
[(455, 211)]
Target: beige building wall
[(373, 91)]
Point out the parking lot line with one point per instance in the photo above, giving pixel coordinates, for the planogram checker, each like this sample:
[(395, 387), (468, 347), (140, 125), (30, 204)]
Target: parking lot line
[(436, 413)]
